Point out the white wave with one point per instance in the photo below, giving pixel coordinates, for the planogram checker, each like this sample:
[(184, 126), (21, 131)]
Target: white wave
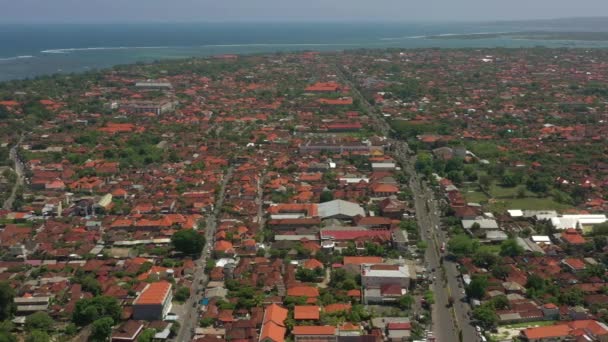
[(466, 34), (16, 57), (276, 44), (441, 35), (68, 50)]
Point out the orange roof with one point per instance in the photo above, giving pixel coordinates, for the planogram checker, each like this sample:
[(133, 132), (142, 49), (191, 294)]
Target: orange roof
[(311, 264), (306, 312), (590, 325), (273, 332), (547, 332), (154, 293), (273, 325), (354, 293), (337, 307), (275, 313), (303, 291), (323, 86), (223, 245), (566, 329), (575, 263), (359, 260), (314, 330), (385, 188)]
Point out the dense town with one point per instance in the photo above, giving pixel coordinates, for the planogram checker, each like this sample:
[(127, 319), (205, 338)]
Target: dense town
[(369, 195)]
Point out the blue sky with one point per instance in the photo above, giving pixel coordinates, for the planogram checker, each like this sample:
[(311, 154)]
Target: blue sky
[(288, 10)]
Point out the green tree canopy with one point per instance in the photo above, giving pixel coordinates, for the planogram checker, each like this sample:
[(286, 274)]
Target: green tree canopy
[(89, 310), (462, 245), (38, 336), (5, 332), (101, 329), (146, 336), (510, 248), (406, 302), (188, 241), (477, 287), (326, 196), (39, 321), (486, 316), (7, 294), (182, 294)]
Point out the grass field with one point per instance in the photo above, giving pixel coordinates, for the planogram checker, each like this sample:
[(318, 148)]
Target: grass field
[(498, 191), (528, 203), (529, 324), (476, 197)]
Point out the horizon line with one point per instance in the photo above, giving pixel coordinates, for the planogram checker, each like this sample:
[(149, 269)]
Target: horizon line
[(289, 21)]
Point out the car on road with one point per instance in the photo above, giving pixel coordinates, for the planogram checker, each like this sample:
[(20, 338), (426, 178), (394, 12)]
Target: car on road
[(171, 317), (478, 328)]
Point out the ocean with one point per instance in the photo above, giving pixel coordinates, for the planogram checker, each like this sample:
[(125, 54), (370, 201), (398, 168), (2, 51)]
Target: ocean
[(30, 50)]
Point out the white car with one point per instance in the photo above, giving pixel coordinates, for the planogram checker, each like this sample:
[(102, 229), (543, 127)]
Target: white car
[(171, 317)]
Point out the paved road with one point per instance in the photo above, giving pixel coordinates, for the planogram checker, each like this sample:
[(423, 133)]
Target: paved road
[(446, 321), (14, 156), (189, 321)]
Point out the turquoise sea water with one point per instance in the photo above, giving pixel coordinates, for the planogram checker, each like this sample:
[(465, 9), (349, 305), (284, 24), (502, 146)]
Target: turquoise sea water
[(30, 50)]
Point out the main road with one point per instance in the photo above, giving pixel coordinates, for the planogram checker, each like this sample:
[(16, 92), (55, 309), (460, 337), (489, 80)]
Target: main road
[(14, 156), (189, 320), (449, 321)]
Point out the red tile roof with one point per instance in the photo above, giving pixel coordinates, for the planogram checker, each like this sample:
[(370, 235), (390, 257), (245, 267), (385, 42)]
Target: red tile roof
[(303, 291), (314, 330), (311, 264), (309, 312), (154, 293), (358, 260), (273, 325)]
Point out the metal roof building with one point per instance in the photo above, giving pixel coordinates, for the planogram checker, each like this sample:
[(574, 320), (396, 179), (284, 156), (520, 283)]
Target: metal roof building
[(340, 209)]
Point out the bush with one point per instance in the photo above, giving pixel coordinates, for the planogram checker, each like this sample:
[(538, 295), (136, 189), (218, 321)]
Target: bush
[(39, 321), (182, 294)]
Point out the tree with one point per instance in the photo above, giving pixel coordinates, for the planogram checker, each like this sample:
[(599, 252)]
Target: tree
[(207, 322), (511, 248), (462, 245), (429, 297), (485, 257), (500, 271), (91, 284), (535, 282), (38, 336), (188, 241), (182, 294), (7, 294), (500, 302), (477, 287), (485, 181), (5, 332), (326, 196), (405, 302), (89, 310), (572, 296), (538, 183), (39, 321), (146, 336), (509, 180), (486, 316), (101, 330)]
